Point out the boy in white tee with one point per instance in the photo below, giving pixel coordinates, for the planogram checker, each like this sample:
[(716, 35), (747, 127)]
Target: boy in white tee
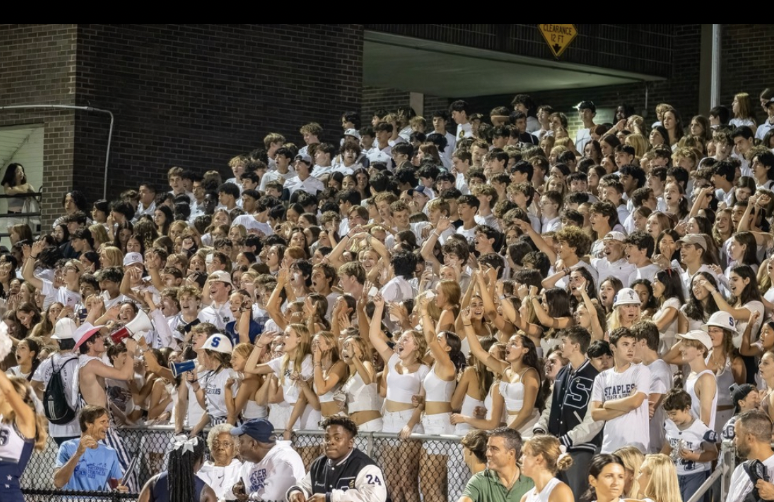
[(620, 397)]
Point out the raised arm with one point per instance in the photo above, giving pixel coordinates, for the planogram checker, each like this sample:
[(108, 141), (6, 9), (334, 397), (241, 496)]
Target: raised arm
[(442, 360), (477, 350), (251, 365), (30, 255), (738, 314), (597, 333), (375, 331)]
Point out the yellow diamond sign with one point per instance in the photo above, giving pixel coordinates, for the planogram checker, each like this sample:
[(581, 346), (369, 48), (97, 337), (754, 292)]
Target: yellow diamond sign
[(558, 36)]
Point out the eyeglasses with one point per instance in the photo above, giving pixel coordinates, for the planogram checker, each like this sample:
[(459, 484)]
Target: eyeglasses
[(224, 444)]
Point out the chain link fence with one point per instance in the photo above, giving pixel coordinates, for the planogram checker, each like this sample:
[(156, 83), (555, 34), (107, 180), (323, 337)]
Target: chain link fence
[(432, 466)]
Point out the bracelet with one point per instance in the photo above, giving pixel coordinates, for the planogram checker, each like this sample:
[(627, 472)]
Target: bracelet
[(34, 257), (466, 324), (436, 234)]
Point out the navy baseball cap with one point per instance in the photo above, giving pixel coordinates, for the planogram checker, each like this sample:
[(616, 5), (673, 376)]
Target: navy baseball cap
[(259, 429)]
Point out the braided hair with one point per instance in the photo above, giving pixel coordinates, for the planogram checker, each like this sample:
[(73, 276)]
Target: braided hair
[(181, 474)]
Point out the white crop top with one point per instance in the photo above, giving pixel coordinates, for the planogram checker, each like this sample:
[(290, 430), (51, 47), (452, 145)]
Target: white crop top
[(401, 388), (361, 397), (437, 390), (290, 390)]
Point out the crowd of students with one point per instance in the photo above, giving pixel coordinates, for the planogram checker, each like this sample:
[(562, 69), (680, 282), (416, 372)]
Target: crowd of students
[(423, 277)]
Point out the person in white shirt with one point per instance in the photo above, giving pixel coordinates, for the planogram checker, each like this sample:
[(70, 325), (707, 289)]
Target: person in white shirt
[(752, 438), (639, 246), (69, 294), (440, 119), (525, 104), (614, 262), (323, 158), (460, 113), (218, 312), (257, 219), (620, 396), (311, 132), (304, 180), (767, 103), (147, 204), (283, 172), (648, 339), (586, 112), (402, 266), (270, 467), (689, 442)]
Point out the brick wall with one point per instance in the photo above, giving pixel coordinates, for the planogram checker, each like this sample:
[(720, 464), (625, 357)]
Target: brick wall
[(196, 95), (376, 98), (39, 68), (746, 57)]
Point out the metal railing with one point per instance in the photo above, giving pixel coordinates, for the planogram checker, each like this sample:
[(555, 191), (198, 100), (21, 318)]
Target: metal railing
[(24, 217), (432, 465)]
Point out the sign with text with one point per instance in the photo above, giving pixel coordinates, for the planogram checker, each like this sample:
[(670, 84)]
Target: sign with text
[(558, 36)]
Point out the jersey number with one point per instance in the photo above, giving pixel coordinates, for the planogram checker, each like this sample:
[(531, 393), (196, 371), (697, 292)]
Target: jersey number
[(4, 436), (373, 480)]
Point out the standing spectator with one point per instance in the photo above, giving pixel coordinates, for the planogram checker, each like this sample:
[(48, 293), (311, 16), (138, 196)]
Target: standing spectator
[(15, 183)]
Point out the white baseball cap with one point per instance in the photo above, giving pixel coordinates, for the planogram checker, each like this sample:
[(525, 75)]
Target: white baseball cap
[(132, 258), (614, 236), (219, 343), (220, 276), (65, 329), (626, 296), (698, 335), (353, 133), (721, 320)]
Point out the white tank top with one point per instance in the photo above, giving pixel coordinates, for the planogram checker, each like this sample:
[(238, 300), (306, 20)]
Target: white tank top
[(469, 404), (437, 390), (690, 383), (361, 397), (543, 496), (11, 443), (195, 411)]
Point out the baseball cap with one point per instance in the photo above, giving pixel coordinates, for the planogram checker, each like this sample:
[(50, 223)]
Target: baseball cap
[(132, 258), (423, 190), (65, 329), (697, 239), (304, 158), (721, 319), (699, 336), (353, 133), (220, 276), (614, 236), (626, 296), (85, 332), (586, 104), (259, 429), (219, 343)]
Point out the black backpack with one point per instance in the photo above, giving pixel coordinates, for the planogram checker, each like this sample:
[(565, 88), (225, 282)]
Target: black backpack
[(55, 405)]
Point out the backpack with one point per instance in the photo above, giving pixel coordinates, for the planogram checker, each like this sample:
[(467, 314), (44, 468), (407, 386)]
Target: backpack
[(55, 405)]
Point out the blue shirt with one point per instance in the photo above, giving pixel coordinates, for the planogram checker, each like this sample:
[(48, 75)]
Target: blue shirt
[(255, 330), (94, 469)]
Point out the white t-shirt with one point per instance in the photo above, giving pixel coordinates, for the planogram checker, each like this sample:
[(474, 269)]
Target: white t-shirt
[(44, 373), (610, 385), (647, 272), (582, 137), (689, 439), (219, 316), (397, 289), (276, 176), (740, 482), (270, 478), (469, 234), (464, 131), (620, 269), (669, 333), (742, 325), (250, 223), (310, 185), (660, 383), (62, 295)]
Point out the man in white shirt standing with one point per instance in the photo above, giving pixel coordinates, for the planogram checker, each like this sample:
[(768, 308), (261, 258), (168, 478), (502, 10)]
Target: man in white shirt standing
[(620, 397), (614, 262), (440, 119), (218, 312), (460, 112), (648, 339), (586, 112), (283, 171), (753, 442), (303, 180)]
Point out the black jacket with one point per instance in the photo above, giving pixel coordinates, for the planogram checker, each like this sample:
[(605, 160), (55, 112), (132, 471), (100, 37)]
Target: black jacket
[(569, 406)]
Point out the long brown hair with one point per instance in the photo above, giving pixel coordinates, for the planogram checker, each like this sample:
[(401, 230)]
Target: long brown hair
[(23, 388)]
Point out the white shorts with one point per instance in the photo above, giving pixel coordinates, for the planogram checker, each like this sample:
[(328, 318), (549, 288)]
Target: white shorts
[(375, 425), (437, 424), (395, 421)]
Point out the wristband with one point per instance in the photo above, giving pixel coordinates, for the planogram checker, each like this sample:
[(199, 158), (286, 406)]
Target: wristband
[(34, 257)]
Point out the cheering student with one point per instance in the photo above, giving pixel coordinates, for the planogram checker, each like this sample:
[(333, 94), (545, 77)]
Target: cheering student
[(179, 482)]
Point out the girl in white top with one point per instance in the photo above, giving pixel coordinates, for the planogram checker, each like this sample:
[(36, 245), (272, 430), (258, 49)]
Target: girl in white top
[(405, 374), (242, 404), (363, 401), (724, 361), (329, 374), (491, 413), (471, 390), (521, 378), (541, 458), (668, 291), (699, 305), (293, 370), (746, 298), (742, 107), (658, 479), (211, 388), (436, 395)]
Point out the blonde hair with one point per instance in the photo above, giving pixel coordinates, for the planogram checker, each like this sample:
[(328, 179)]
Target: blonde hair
[(420, 342), (114, 255), (639, 142), (304, 349), (662, 485), (244, 350), (24, 390), (550, 449), (452, 292), (99, 234), (745, 106), (632, 458)]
